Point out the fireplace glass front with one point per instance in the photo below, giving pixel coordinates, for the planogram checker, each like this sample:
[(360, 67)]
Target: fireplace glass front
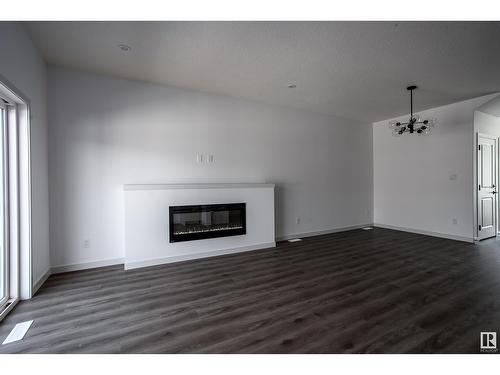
[(196, 222)]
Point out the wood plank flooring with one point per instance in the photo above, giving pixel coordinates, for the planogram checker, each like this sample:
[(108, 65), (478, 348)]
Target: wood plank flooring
[(377, 291)]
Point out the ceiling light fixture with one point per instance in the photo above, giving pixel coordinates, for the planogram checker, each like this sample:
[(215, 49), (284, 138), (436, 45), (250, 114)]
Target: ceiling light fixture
[(124, 47), (292, 86), (414, 124)]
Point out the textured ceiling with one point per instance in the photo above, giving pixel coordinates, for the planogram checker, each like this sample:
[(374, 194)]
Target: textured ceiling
[(351, 69)]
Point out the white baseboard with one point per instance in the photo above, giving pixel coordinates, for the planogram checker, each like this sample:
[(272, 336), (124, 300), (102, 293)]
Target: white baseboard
[(40, 282), (208, 254), (425, 232), (158, 261), (84, 266), (321, 232)]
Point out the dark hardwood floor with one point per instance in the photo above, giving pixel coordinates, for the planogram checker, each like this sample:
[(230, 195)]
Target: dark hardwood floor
[(377, 291)]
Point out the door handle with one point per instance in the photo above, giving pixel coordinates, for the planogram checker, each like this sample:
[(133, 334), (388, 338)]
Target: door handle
[(493, 192)]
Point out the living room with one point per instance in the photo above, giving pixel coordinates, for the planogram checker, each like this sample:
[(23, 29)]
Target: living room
[(243, 186)]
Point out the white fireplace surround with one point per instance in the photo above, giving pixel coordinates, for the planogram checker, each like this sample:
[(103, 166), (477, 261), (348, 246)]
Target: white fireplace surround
[(147, 221)]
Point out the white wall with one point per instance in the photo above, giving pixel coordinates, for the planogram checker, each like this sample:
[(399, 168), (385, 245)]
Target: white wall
[(486, 123), (491, 107), (422, 183), (106, 132), (22, 66)]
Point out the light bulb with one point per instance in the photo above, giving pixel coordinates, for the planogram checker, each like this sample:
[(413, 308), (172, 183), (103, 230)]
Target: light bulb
[(431, 122), (424, 130), (394, 124)]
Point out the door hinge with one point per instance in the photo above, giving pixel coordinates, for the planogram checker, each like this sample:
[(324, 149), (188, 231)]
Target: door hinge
[(479, 187), (480, 227), (479, 147)]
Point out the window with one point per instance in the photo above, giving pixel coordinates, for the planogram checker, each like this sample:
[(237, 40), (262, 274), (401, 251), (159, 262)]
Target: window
[(4, 254), (15, 202)]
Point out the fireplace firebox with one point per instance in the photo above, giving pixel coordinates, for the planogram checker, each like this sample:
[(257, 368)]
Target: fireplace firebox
[(188, 223)]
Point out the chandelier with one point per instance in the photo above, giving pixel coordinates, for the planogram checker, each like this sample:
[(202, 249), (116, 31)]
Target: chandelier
[(415, 124)]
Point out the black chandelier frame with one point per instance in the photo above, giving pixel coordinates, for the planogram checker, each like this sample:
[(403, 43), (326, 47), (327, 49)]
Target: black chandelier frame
[(414, 124)]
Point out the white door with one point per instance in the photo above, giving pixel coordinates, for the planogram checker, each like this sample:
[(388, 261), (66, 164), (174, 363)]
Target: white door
[(486, 189)]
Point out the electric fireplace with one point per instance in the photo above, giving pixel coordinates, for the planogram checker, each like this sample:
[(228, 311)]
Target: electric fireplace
[(188, 223)]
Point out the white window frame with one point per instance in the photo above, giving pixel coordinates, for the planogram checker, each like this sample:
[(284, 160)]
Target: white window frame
[(4, 245), (17, 188)]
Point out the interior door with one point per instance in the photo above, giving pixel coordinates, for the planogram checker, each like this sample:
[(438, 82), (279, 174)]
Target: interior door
[(486, 189)]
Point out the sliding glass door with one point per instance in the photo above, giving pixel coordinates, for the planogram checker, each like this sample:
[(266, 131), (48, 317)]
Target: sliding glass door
[(4, 254), (15, 199)]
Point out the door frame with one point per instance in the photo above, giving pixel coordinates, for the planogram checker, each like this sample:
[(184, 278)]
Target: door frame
[(3, 181), (476, 182), (18, 185)]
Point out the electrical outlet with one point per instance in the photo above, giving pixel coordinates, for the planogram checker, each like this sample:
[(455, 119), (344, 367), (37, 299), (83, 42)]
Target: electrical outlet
[(455, 221), (297, 220), (199, 158), (86, 244), (211, 158)]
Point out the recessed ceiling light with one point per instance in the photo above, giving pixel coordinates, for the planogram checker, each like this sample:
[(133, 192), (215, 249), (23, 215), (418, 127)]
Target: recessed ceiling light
[(124, 47), (292, 86)]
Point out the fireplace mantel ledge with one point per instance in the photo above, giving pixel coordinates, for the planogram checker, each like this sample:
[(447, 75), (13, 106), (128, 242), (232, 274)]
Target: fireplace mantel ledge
[(131, 187)]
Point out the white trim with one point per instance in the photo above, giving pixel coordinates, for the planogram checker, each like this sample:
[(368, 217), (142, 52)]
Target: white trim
[(19, 185), (13, 95), (40, 281), (425, 232), (476, 183), (195, 186), (207, 254), (10, 305), (85, 266), (158, 261), (4, 220), (321, 232), (25, 186)]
